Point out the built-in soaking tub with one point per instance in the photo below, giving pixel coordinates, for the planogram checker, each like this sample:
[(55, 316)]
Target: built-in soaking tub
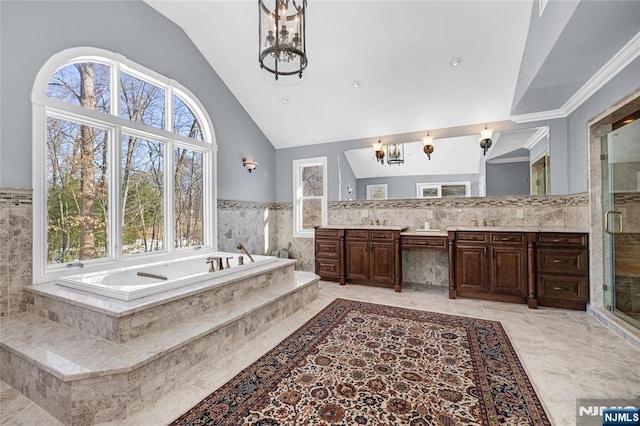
[(139, 281)]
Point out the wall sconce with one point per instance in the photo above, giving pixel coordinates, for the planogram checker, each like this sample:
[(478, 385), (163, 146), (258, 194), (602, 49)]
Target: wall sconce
[(428, 146), (377, 147), (250, 165), (485, 139)]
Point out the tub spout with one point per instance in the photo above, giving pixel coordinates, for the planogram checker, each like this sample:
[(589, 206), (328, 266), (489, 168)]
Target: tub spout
[(241, 247)]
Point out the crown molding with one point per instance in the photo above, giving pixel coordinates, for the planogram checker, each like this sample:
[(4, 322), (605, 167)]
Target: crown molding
[(617, 63), (536, 137)]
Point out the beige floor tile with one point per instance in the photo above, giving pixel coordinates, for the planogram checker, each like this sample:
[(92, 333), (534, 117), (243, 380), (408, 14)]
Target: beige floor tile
[(567, 355)]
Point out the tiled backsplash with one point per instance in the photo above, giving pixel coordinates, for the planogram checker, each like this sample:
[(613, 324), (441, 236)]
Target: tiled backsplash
[(265, 227)]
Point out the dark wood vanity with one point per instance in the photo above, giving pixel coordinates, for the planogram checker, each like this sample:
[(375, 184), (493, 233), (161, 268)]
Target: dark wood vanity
[(367, 255), (536, 267)]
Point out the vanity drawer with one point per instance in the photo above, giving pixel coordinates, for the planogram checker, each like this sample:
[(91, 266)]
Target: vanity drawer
[(565, 239), (356, 234), (562, 288), (381, 235), (328, 268), (507, 238), (328, 249), (424, 242), (328, 233), (478, 237), (563, 261)]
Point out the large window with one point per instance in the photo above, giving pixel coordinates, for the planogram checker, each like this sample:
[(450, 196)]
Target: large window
[(309, 195), (123, 165)]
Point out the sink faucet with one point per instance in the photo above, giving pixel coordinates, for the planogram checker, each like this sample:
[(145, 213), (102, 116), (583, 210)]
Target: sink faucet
[(377, 221), (484, 222), (242, 247), (475, 222)]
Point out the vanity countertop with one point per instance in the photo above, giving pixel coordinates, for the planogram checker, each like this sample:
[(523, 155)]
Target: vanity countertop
[(518, 229), (368, 227)]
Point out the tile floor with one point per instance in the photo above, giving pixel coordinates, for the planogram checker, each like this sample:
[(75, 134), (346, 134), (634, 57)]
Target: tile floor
[(567, 355)]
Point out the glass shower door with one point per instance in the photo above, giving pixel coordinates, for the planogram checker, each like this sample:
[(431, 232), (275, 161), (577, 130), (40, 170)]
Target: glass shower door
[(621, 213)]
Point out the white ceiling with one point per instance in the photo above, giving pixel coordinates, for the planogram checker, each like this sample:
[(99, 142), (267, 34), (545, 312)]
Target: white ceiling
[(400, 51)]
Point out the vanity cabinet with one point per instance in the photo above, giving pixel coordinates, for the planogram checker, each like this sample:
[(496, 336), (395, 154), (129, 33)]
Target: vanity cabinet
[(329, 250), (490, 265), (373, 257), (367, 255), (563, 270)]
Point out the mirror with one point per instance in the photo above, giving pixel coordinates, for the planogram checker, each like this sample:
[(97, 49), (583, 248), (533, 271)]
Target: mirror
[(517, 163)]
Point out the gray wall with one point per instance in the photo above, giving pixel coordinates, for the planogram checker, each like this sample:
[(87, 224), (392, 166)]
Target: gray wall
[(626, 82), (508, 179), (31, 32)]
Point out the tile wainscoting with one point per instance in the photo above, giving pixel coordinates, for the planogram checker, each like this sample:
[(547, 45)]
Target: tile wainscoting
[(432, 267), (16, 233), (264, 227)]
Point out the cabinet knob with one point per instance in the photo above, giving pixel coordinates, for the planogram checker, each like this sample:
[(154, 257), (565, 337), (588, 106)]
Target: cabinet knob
[(559, 288), (557, 261)]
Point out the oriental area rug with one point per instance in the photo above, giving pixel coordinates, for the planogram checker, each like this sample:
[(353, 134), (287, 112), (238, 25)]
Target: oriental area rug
[(363, 363)]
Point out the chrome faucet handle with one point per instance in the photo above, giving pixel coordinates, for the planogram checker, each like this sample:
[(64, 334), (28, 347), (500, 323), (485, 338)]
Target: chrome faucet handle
[(227, 259), (484, 222), (475, 222)]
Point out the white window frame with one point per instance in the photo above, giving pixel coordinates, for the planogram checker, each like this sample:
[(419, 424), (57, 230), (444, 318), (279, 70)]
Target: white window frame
[(438, 186), (298, 165), (44, 107)]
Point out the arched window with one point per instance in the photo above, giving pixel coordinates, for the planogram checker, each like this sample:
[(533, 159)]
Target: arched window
[(123, 165)]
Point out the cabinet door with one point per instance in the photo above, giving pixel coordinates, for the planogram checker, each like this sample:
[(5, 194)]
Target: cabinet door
[(382, 263), (509, 270), (357, 261), (470, 267)]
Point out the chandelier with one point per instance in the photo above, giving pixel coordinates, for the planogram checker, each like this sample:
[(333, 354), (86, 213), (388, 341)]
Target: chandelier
[(395, 154), (281, 34)]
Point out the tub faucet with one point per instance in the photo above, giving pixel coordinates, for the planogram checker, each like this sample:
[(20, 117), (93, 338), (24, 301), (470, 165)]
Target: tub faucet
[(227, 259), (212, 259), (241, 247)]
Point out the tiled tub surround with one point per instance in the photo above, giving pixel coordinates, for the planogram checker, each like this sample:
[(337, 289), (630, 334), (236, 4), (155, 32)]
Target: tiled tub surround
[(120, 321), (83, 379), (252, 223)]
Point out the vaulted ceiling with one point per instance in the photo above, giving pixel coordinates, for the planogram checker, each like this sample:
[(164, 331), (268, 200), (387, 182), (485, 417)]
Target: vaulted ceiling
[(401, 52)]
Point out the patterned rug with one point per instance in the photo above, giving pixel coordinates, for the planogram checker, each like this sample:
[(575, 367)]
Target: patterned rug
[(363, 363)]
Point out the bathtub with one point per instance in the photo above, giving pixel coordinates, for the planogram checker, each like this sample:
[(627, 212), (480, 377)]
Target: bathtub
[(134, 282)]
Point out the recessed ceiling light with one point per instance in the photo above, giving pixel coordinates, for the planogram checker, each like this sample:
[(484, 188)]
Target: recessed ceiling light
[(456, 62), (285, 100), (357, 84)]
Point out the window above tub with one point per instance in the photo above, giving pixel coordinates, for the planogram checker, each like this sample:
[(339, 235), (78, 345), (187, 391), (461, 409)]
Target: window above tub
[(123, 165)]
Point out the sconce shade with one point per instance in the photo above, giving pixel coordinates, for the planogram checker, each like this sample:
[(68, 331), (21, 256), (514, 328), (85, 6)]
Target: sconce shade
[(250, 165), (485, 139), (281, 35), (428, 147), (377, 147)]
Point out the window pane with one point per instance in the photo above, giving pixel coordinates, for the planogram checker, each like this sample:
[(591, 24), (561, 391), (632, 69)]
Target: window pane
[(77, 192), (188, 197), (454, 190), (312, 181), (184, 120), (311, 213), (141, 101), (83, 84), (142, 195)]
